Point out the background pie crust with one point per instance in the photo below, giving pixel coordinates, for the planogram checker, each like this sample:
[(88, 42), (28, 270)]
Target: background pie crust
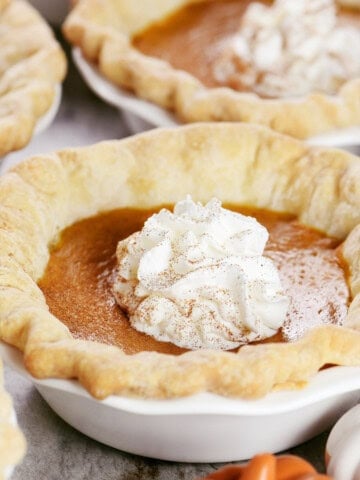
[(12, 441), (238, 163), (103, 31), (31, 65)]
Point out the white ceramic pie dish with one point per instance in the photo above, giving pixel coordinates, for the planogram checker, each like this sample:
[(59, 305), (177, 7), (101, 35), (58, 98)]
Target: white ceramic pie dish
[(46, 120), (141, 115), (204, 427), (343, 447)]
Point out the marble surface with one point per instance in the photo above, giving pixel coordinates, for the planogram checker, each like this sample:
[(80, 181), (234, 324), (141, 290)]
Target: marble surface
[(56, 450)]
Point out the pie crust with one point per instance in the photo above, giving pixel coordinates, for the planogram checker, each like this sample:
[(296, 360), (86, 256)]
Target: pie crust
[(12, 441), (103, 31), (32, 63), (355, 4), (239, 164)]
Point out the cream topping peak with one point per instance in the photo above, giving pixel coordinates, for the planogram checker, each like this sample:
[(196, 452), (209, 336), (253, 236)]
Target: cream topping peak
[(197, 278), (291, 48)]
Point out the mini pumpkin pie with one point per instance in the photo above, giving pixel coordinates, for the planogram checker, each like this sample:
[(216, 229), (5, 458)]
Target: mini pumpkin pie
[(32, 64), (284, 64), (62, 217), (12, 442)]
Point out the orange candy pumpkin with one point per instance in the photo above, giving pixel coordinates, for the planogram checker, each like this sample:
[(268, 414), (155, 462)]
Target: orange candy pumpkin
[(269, 467)]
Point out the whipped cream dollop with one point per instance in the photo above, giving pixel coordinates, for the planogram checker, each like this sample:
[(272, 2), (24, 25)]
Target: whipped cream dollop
[(291, 48), (197, 278)]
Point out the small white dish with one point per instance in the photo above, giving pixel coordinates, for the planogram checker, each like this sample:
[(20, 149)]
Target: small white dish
[(148, 114), (142, 115), (203, 427), (46, 120), (343, 447)]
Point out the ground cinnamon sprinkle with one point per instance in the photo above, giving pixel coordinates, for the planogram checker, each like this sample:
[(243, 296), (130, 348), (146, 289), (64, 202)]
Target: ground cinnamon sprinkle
[(77, 290)]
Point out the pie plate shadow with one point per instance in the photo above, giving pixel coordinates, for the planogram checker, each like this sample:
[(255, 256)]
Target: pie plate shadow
[(189, 429)]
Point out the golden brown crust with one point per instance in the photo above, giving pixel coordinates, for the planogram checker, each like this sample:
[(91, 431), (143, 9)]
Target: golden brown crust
[(103, 31), (350, 3), (238, 163), (31, 65), (12, 441)]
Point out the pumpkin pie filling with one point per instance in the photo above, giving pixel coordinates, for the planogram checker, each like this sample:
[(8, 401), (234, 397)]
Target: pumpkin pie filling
[(191, 39), (195, 39), (78, 278)]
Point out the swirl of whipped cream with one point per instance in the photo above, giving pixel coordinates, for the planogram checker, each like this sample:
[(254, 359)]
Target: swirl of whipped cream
[(197, 278), (291, 48)]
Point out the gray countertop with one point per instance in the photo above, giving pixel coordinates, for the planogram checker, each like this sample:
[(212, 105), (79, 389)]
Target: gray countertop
[(56, 450)]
